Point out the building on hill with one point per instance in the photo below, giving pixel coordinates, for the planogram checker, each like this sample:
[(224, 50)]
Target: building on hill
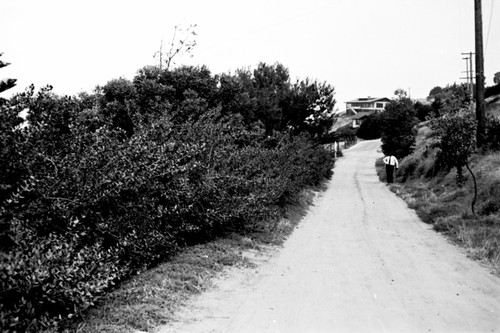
[(357, 110), (360, 108), (367, 104)]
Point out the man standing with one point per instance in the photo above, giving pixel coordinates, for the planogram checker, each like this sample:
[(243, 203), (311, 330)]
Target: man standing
[(391, 162)]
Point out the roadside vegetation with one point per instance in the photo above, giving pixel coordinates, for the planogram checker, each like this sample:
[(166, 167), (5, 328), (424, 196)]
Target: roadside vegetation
[(448, 181), (176, 170), (151, 299)]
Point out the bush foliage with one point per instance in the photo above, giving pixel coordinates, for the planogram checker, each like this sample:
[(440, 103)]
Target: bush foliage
[(100, 186)]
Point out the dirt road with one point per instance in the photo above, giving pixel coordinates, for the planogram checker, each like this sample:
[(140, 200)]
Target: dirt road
[(360, 261)]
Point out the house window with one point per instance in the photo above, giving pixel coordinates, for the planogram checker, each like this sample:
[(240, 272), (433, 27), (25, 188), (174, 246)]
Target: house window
[(380, 105)]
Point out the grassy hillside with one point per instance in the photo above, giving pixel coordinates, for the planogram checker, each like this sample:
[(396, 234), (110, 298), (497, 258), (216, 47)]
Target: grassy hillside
[(433, 192)]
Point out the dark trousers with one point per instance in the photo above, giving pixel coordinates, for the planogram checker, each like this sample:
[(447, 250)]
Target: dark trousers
[(389, 171)]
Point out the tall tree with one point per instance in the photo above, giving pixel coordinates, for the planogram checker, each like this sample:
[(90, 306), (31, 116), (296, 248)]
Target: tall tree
[(401, 93), (434, 92), (398, 128), (6, 83), (11, 165), (450, 99), (457, 133), (118, 104), (272, 83)]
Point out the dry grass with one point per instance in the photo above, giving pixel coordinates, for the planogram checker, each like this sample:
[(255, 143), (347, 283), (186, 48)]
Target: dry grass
[(150, 299), (438, 200)]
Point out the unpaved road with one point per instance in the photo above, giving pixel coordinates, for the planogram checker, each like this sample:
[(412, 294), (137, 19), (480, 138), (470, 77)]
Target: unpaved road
[(360, 261)]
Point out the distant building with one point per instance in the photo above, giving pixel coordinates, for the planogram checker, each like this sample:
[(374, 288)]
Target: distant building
[(360, 108), (367, 104)]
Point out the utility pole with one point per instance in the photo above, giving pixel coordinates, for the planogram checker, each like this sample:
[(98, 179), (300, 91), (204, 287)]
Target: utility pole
[(480, 111), (469, 73), (467, 76), (471, 76)]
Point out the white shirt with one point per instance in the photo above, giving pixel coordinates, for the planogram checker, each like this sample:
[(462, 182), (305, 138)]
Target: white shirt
[(391, 160)]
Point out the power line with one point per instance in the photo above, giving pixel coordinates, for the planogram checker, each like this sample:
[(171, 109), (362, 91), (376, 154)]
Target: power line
[(489, 25)]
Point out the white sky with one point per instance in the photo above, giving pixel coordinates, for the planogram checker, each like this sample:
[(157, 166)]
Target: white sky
[(361, 47)]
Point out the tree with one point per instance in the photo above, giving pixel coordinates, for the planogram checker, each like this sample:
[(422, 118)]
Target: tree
[(401, 93), (451, 98), (232, 97), (6, 83), (398, 128), (11, 166), (321, 115), (434, 92), (266, 97), (196, 78), (271, 83), (118, 104), (457, 132)]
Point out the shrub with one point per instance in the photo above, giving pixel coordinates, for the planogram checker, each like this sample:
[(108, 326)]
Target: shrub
[(101, 206), (46, 280), (103, 186)]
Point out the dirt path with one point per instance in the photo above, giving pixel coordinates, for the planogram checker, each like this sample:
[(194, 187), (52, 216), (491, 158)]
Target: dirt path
[(360, 261)]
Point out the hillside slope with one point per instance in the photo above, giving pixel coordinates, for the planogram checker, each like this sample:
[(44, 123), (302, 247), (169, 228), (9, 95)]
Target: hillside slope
[(433, 192)]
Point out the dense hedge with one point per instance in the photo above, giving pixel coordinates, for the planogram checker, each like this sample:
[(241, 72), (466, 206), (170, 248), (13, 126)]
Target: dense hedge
[(96, 203)]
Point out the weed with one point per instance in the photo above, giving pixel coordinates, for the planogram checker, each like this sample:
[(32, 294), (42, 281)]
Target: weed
[(482, 242)]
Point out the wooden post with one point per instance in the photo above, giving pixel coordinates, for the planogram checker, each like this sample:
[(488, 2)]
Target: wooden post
[(480, 111)]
